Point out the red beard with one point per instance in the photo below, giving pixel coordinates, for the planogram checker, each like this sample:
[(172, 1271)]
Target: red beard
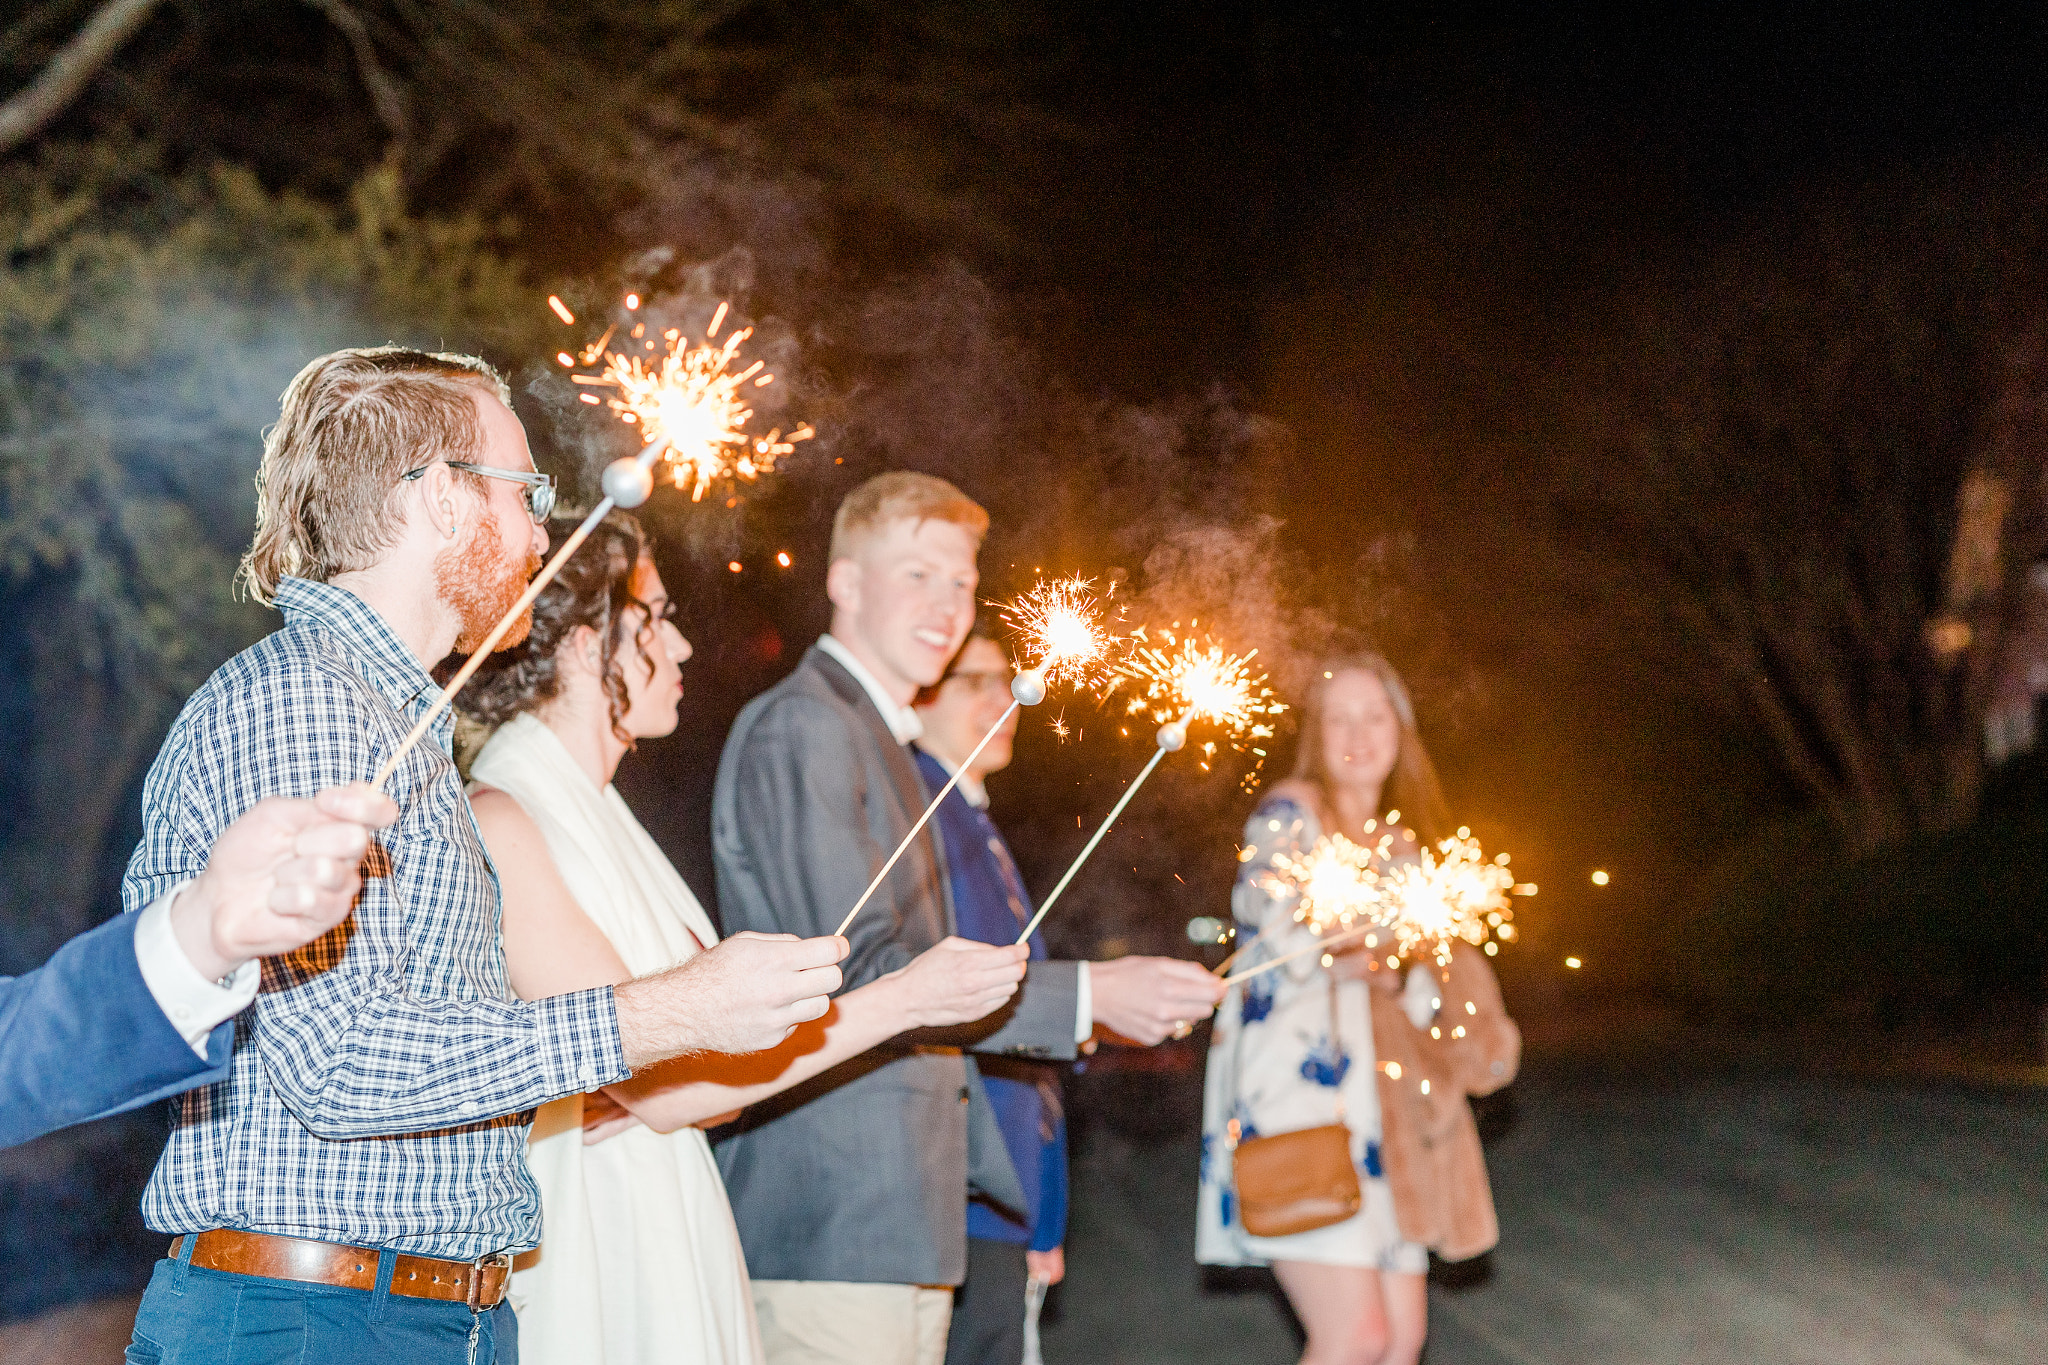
[(481, 579)]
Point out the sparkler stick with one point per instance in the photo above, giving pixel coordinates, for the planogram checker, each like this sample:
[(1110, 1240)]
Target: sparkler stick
[(1026, 689), (627, 482), (1200, 680), (1172, 736), (1319, 946), (1059, 622)]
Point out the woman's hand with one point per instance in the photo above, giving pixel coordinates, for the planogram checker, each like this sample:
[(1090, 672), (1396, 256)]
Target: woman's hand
[(1049, 1266), (957, 981), (1358, 963)]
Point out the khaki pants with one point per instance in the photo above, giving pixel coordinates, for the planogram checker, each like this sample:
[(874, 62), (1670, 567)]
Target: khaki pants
[(831, 1322)]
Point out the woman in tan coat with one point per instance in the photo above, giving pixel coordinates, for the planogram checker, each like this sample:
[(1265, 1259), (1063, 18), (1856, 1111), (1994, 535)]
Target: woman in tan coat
[(1394, 1061)]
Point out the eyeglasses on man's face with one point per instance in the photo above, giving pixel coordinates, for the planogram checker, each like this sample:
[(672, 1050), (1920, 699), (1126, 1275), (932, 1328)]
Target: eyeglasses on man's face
[(978, 683), (540, 488)]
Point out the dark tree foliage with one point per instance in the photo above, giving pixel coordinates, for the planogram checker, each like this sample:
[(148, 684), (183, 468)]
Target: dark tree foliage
[(1772, 488), (147, 323)]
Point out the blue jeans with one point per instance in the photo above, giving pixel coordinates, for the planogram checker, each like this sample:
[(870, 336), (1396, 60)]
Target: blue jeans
[(191, 1314)]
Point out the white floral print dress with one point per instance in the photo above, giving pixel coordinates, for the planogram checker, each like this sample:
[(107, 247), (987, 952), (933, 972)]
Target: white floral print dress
[(1274, 1068)]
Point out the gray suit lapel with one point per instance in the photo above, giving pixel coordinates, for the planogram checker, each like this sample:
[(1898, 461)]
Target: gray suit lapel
[(897, 762)]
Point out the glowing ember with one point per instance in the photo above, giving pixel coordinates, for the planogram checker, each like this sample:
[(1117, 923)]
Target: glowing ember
[(1196, 680), (686, 395), (1060, 626)]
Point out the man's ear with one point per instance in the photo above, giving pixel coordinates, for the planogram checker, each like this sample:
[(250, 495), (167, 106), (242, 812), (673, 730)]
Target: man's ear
[(440, 502), (842, 585)]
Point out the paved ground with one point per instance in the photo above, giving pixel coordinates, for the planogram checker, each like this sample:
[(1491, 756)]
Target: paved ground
[(1752, 1220)]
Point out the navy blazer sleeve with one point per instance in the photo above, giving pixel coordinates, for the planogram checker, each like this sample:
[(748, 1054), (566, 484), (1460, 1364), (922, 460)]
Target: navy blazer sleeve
[(81, 1037)]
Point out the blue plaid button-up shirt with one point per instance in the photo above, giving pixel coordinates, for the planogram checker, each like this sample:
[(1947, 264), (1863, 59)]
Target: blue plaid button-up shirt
[(383, 1081)]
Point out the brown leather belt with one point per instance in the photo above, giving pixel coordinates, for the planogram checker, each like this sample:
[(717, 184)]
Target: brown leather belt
[(479, 1284)]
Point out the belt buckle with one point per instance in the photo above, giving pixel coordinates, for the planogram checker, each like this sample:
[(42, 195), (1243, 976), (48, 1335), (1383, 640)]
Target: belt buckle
[(476, 1276)]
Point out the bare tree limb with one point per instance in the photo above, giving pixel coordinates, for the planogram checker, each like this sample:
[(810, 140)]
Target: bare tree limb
[(27, 113), (385, 93)]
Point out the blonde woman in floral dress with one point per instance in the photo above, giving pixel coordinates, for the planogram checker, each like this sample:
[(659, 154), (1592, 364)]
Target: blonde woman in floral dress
[(1295, 1047)]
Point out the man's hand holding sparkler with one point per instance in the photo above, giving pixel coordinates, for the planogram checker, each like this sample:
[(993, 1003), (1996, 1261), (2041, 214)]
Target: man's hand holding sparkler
[(957, 981), (1146, 1000), (279, 877), (745, 995)]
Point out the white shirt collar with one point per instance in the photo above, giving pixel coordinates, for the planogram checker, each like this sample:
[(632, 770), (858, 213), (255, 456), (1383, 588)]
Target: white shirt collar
[(901, 720), (970, 786)]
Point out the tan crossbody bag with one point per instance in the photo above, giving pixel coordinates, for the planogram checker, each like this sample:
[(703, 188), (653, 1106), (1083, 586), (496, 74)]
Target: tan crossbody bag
[(1298, 1181)]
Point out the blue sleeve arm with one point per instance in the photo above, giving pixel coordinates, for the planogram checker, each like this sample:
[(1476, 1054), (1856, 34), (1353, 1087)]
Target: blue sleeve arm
[(81, 1037)]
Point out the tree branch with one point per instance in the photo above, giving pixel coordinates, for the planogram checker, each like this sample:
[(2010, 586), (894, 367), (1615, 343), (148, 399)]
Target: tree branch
[(29, 111), (385, 93)]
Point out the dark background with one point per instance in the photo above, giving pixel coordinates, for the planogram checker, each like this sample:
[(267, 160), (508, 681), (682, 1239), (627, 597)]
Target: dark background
[(1614, 371)]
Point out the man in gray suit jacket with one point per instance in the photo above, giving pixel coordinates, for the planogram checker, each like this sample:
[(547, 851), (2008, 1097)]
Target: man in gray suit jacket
[(850, 1191)]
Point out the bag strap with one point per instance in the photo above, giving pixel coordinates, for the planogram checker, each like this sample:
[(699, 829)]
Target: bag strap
[(1230, 1127), (1336, 1040)]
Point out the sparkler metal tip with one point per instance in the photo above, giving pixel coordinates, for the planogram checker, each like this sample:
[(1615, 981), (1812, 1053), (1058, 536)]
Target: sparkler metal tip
[(628, 482), (1172, 735), (1028, 687)]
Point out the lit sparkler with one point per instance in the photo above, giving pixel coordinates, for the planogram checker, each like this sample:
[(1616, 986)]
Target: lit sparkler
[(1187, 682), (1060, 622), (1336, 883), (691, 409), (686, 397), (1452, 893), (1198, 680)]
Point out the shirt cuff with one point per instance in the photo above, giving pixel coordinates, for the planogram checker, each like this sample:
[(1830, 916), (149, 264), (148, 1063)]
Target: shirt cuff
[(582, 1050), (1084, 1005), (194, 1005)]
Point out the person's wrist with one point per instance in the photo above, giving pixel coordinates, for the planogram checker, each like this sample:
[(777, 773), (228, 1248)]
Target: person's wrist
[(892, 992), (192, 924)]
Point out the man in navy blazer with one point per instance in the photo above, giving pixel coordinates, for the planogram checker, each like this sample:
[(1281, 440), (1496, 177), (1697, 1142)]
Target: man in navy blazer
[(1136, 999), (139, 1009)]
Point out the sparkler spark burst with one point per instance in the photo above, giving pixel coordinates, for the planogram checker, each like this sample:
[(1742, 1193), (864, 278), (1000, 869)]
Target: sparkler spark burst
[(1197, 680), (686, 394), (1450, 893), (1060, 624), (1336, 883)]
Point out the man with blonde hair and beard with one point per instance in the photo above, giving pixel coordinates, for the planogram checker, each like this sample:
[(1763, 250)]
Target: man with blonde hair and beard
[(356, 1187)]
